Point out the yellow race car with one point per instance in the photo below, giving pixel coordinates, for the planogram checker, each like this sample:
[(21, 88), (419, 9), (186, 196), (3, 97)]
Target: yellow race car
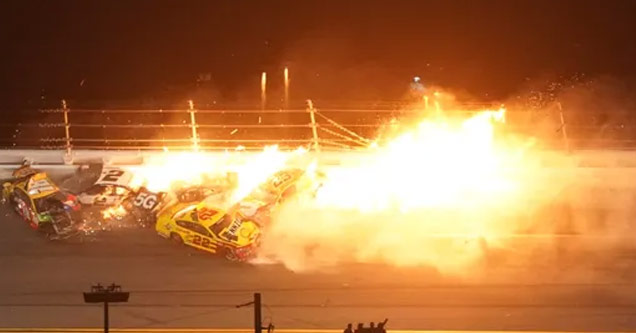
[(210, 229), (276, 189), (281, 185), (42, 204)]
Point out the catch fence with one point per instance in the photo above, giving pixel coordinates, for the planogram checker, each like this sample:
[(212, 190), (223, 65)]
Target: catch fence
[(250, 129)]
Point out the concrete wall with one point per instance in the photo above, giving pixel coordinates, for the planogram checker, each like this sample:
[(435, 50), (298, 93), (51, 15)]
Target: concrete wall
[(618, 163), (591, 158)]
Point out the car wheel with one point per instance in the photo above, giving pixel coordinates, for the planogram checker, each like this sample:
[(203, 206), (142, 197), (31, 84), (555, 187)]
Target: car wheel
[(48, 231), (230, 255), (12, 201), (176, 238), (6, 198)]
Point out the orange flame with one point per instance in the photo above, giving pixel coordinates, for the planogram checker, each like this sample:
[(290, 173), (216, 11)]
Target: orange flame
[(430, 196)]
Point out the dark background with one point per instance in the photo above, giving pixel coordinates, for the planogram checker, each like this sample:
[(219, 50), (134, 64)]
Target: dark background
[(149, 51)]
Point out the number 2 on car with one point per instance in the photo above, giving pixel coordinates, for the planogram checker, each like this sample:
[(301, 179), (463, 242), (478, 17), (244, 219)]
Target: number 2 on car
[(112, 176), (205, 213)]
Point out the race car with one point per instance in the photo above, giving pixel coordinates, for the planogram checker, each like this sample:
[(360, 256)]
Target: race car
[(210, 229), (286, 183), (278, 188), (42, 204), (103, 199), (110, 189), (198, 193), (219, 187), (141, 207), (138, 209)]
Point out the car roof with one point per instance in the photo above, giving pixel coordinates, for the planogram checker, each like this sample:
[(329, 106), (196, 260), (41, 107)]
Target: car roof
[(182, 211), (24, 171), (38, 185), (270, 184)]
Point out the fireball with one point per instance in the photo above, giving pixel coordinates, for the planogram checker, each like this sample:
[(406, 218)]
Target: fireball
[(434, 194), (438, 192)]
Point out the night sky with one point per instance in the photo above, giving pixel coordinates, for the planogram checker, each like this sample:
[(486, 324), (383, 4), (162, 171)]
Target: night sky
[(338, 50)]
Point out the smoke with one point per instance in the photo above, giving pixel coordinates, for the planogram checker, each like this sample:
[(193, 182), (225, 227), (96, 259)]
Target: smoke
[(453, 237), (549, 210), (588, 221), (432, 195)]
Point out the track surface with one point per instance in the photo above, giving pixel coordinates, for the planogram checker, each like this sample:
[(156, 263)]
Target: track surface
[(41, 284)]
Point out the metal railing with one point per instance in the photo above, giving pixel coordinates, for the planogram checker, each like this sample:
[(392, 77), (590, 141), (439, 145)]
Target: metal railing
[(66, 128)]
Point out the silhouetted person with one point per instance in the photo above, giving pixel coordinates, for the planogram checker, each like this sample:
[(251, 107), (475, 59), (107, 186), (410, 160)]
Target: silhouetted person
[(359, 328), (349, 329), (372, 327), (381, 328)]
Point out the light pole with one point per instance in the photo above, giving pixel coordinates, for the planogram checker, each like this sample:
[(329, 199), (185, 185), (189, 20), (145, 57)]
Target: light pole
[(263, 91), (109, 294), (286, 79), (193, 125), (258, 325), (67, 126)]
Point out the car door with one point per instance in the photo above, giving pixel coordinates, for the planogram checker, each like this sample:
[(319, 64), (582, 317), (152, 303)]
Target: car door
[(198, 236)]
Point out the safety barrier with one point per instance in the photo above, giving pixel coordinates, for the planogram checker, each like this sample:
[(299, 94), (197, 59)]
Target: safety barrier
[(228, 330), (233, 330)]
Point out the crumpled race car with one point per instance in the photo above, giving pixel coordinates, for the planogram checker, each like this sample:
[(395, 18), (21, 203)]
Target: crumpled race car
[(211, 229), (220, 188), (42, 204), (110, 189), (198, 193), (141, 207), (277, 189), (101, 202)]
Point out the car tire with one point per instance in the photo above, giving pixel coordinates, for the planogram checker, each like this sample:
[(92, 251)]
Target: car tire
[(48, 231), (11, 201), (230, 256), (7, 198), (175, 238)]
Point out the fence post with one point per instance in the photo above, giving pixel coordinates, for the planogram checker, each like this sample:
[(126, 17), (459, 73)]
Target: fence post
[(564, 131), (314, 129), (286, 82), (263, 91), (68, 158), (193, 125)]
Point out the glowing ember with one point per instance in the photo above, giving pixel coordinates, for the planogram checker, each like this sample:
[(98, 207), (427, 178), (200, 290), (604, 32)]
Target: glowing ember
[(115, 212)]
